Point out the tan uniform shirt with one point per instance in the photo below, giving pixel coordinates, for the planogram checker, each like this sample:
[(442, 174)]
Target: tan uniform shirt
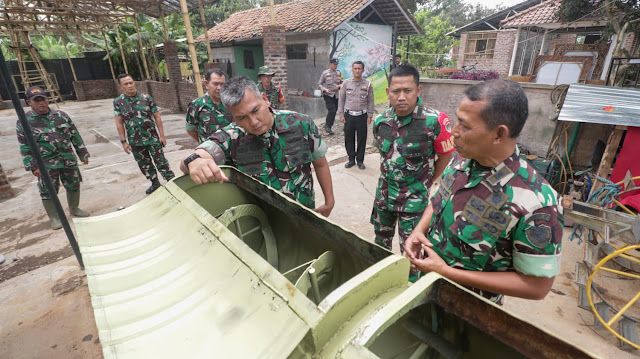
[(356, 95), (329, 82)]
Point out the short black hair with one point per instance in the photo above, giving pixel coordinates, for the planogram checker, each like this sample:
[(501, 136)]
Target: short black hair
[(405, 70), (397, 57), (358, 62), (121, 76), (216, 71), (507, 104)]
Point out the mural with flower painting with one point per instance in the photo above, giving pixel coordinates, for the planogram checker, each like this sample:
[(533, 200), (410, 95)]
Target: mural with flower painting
[(369, 43)]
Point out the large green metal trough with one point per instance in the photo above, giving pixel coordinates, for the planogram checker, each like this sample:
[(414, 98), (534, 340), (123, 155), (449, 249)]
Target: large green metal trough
[(237, 270)]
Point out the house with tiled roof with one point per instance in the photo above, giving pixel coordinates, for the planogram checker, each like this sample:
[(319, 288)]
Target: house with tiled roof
[(529, 41), (315, 31)]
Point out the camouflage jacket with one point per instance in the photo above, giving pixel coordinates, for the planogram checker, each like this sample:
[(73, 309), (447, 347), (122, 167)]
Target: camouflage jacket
[(505, 218), (55, 134), (272, 93), (280, 158), (137, 115), (206, 117), (407, 147)]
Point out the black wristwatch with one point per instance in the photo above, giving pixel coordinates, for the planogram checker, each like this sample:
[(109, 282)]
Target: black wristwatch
[(190, 159)]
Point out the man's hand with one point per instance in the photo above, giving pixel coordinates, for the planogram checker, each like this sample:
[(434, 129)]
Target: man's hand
[(325, 209), (205, 170), (163, 141), (85, 161), (413, 245), (431, 261), (36, 172), (126, 147), (369, 120), (342, 119)]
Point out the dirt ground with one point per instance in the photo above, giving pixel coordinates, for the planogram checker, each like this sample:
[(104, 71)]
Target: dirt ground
[(45, 308)]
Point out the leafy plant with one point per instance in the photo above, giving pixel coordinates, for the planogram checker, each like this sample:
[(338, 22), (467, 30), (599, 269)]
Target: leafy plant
[(478, 75)]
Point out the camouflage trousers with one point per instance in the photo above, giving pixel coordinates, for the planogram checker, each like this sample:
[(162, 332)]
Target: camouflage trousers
[(70, 178), (146, 156), (384, 224)]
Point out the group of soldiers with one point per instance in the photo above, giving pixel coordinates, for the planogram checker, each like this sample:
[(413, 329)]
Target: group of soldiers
[(493, 224)]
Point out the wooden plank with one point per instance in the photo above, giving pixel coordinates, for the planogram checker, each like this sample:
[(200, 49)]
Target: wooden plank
[(609, 154)]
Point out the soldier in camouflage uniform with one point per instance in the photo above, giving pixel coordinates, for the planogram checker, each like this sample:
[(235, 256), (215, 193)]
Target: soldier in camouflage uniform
[(277, 148), (494, 224), (266, 87), (408, 136), (137, 115), (207, 114), (57, 136)]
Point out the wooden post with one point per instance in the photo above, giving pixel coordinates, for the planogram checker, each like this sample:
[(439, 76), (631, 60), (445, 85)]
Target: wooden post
[(106, 45), (192, 49), (272, 13), (73, 70), (143, 55), (206, 30), (124, 59), (608, 156)]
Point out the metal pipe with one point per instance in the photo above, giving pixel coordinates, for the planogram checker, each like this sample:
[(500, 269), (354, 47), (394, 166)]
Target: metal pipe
[(5, 75), (315, 287), (192, 49), (514, 52)]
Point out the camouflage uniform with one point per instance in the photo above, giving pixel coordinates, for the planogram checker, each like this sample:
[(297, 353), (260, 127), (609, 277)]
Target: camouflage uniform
[(273, 94), (137, 115), (407, 147), (206, 117), (55, 134), (505, 218), (280, 158)]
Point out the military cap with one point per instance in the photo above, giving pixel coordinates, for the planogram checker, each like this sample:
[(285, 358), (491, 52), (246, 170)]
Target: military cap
[(35, 91), (265, 70)]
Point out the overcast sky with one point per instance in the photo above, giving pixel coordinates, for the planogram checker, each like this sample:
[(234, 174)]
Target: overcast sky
[(493, 3)]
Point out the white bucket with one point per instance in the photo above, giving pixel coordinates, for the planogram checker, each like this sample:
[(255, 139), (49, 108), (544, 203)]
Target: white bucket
[(317, 93)]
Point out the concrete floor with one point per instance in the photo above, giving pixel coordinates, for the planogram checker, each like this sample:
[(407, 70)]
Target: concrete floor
[(44, 302)]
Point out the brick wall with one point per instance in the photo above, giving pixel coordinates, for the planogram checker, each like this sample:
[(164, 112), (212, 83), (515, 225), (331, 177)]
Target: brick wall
[(164, 95), (561, 39), (275, 55), (95, 89), (503, 51), (462, 49), (188, 93), (629, 41), (171, 58), (5, 187)]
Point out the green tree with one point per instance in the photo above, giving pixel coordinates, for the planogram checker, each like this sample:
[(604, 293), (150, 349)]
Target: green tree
[(623, 17), (53, 47), (457, 12), (434, 41)]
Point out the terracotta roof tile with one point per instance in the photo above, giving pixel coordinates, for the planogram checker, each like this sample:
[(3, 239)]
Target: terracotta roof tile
[(543, 13), (295, 16)]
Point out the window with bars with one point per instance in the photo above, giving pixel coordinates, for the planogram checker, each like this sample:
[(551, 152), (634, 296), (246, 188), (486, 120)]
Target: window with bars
[(480, 45), (297, 51)]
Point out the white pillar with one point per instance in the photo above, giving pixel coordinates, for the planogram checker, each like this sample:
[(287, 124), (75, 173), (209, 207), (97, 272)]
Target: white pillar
[(544, 41), (515, 51)]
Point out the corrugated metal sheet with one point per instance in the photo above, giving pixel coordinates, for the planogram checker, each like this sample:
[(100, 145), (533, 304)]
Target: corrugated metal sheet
[(601, 104)]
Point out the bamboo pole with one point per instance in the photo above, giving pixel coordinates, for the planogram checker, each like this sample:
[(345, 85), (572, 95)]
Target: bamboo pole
[(143, 56), (73, 70), (106, 45), (192, 49), (206, 29), (165, 29), (124, 59), (272, 13)]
